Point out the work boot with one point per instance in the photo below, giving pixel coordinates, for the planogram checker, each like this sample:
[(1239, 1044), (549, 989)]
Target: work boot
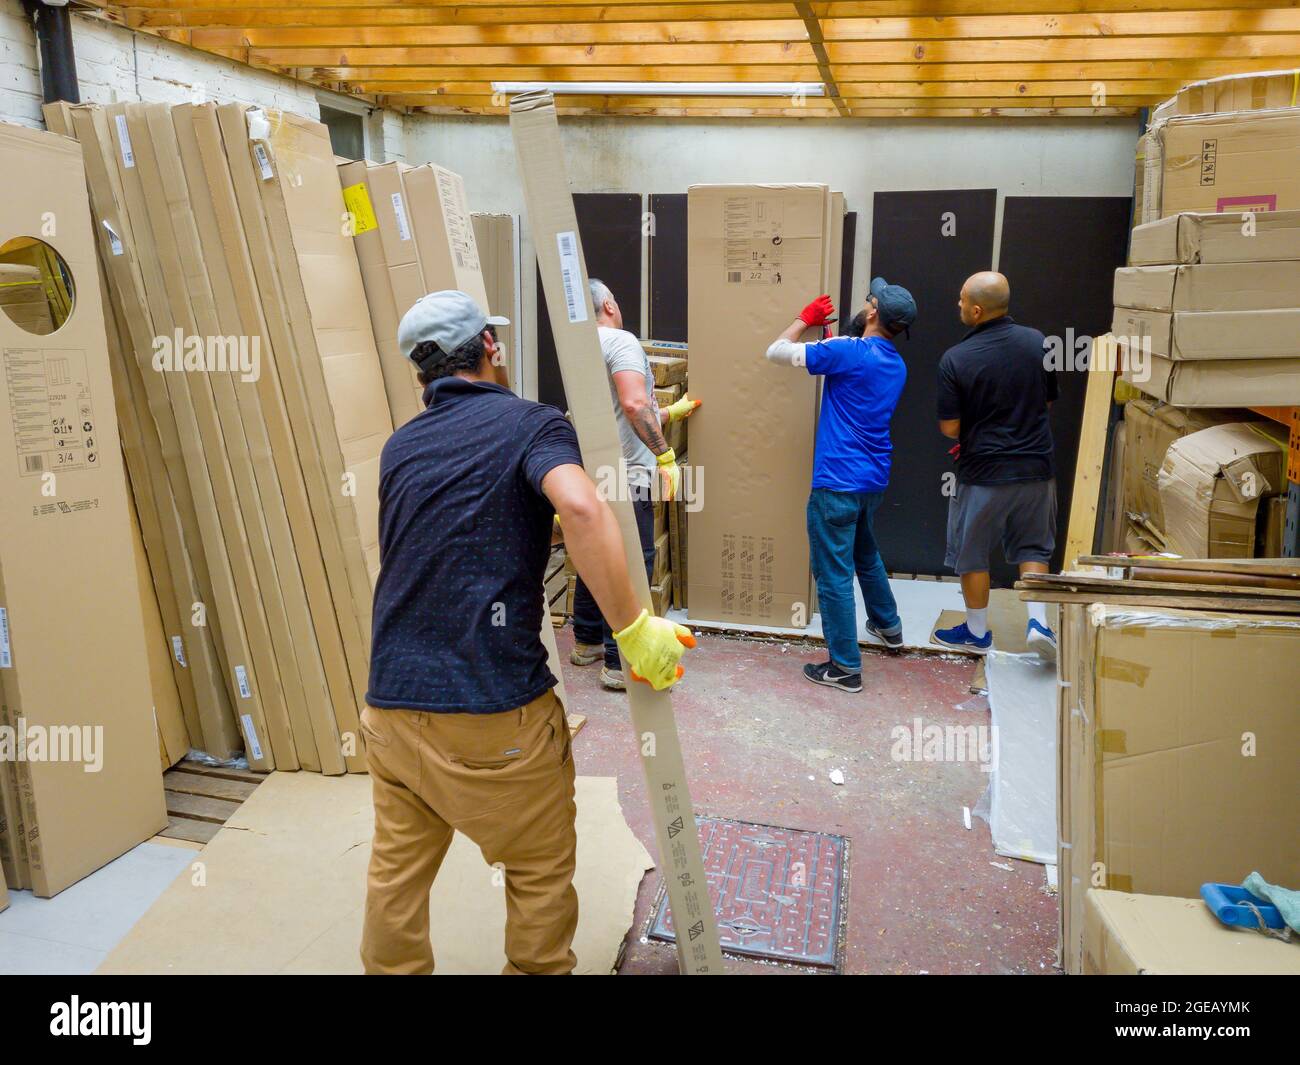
[(584, 654), (612, 678), (832, 676)]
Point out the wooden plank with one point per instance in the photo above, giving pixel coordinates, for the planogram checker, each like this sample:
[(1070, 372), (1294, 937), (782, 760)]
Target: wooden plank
[(1091, 457), (1239, 605), (1267, 567), (209, 786), (189, 829), (199, 807), (223, 772), (1080, 582)]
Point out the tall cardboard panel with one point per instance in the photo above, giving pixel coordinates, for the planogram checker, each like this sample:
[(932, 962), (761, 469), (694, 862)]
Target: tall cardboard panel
[(757, 254), (73, 654)]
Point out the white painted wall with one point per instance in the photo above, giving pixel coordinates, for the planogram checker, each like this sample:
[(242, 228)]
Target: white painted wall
[(114, 63), (1018, 157)]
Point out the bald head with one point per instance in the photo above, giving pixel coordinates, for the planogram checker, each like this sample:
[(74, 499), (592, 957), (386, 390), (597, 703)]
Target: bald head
[(984, 296)]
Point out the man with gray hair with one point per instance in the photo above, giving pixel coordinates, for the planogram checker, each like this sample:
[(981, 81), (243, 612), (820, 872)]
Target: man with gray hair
[(647, 458)]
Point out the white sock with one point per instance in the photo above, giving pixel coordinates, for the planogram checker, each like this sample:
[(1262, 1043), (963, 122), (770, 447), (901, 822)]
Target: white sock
[(1038, 613), (977, 621)]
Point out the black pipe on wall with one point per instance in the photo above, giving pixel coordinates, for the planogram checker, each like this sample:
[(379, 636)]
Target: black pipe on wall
[(58, 61)]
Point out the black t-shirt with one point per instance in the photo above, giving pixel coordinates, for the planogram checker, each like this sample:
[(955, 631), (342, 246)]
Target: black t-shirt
[(464, 535), (997, 382)]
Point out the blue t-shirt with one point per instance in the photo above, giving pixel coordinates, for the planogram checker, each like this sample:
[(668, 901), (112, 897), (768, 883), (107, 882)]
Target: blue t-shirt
[(864, 378), (464, 535)]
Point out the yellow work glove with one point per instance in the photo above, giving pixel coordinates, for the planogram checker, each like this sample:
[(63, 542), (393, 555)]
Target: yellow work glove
[(651, 647), (683, 408), (670, 474)]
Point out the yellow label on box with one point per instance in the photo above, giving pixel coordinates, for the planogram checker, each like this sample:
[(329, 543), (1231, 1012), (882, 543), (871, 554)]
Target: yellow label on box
[(357, 200)]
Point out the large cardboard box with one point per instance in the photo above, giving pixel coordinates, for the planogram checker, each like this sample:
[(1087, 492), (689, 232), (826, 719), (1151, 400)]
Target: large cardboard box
[(1217, 335), (1256, 91), (1217, 383), (1151, 426), (1148, 935), (1209, 287), (1235, 237), (1241, 161), (754, 254), (1177, 733), (74, 672), (1211, 484)]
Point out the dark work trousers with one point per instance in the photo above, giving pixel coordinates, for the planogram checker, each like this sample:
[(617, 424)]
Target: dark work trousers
[(588, 626)]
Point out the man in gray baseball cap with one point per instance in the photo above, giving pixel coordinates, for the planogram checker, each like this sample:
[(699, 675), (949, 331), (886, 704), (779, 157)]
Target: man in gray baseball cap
[(464, 731), (440, 325)]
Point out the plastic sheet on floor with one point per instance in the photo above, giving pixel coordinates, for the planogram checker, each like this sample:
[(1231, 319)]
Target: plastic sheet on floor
[(1020, 802)]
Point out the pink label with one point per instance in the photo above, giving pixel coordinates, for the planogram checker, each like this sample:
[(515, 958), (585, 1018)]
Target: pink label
[(1247, 203)]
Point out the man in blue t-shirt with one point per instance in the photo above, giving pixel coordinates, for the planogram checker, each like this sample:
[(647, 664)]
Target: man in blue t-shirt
[(864, 378)]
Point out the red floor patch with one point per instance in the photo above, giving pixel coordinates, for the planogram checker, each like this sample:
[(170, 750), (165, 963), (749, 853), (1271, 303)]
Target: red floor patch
[(778, 893)]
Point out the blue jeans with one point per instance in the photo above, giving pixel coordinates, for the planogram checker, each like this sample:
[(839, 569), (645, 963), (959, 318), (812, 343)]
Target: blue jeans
[(842, 543)]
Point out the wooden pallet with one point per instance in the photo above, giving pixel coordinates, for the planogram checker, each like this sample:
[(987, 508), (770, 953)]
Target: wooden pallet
[(200, 799)]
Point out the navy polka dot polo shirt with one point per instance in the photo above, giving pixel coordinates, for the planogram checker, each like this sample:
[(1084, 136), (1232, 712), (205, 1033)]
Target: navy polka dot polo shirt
[(464, 536)]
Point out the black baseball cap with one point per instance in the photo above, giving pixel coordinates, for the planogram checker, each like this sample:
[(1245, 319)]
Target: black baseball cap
[(895, 303)]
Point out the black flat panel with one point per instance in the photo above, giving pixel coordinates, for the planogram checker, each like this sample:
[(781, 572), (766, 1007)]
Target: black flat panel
[(1060, 254), (668, 267), (909, 248), (845, 301), (609, 225)]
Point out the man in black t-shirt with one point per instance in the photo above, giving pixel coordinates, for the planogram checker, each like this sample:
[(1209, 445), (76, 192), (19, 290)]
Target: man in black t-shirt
[(994, 393), (463, 729)]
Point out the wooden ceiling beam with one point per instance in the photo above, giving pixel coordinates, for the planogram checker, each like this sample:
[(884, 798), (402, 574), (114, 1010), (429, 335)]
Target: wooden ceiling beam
[(489, 103), (805, 28), (484, 10), (802, 114)]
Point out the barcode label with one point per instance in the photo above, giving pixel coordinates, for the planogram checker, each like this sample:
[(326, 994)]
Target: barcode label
[(115, 242), (575, 302), (399, 210), (6, 660), (124, 136), (263, 161), (733, 277), (241, 678), (250, 734), (178, 649), (34, 463)]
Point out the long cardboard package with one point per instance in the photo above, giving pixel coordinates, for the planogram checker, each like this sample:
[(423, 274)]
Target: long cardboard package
[(82, 746), (1244, 286), (1254, 91), (1217, 383), (1149, 935), (754, 253), (535, 129), (1177, 735), (1238, 161), (498, 253), (1235, 237), (1213, 335)]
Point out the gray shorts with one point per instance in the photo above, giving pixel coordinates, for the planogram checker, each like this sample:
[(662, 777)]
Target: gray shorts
[(1022, 515)]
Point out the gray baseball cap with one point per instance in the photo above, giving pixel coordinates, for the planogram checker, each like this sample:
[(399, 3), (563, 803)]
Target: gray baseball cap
[(897, 308), (448, 318)]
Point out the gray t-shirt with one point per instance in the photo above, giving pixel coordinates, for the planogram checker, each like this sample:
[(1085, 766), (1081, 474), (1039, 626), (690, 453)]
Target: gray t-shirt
[(623, 351)]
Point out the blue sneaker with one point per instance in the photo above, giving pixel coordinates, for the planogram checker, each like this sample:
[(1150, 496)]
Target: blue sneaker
[(959, 637), (1041, 640)]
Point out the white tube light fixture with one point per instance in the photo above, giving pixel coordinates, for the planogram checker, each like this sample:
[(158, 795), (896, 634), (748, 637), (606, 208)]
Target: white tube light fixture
[(665, 88)]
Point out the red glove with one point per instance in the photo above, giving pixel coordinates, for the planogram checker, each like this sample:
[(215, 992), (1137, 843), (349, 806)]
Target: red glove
[(818, 312), (955, 452)]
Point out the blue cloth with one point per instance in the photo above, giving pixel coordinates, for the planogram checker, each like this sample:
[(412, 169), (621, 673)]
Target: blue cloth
[(842, 543), (864, 378), (464, 535)]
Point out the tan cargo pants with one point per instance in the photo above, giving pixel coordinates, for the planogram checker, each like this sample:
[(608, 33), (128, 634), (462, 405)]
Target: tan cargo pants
[(506, 781)]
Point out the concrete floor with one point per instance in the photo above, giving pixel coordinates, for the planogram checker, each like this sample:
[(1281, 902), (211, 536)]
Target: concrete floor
[(760, 742)]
